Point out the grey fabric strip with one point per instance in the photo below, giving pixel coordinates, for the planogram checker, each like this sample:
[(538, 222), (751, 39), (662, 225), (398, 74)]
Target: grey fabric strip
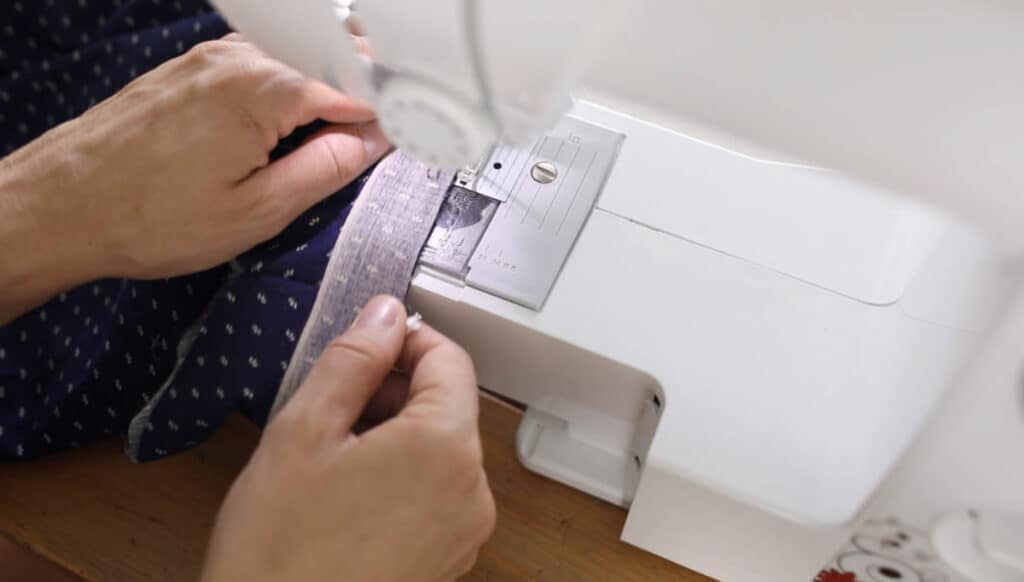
[(376, 253)]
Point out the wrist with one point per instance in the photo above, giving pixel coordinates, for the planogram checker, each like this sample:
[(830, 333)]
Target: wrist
[(43, 250)]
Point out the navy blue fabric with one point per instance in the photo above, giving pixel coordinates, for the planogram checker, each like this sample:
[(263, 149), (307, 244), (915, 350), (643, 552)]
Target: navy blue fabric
[(84, 364)]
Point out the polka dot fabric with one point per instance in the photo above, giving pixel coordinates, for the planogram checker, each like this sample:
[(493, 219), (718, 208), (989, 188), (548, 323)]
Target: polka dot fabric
[(176, 355), (245, 339), (59, 57)]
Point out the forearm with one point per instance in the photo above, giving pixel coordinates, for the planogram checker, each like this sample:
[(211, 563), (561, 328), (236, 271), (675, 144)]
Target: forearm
[(42, 250)]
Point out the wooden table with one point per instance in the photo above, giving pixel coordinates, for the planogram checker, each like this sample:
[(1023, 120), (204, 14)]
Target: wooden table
[(103, 518)]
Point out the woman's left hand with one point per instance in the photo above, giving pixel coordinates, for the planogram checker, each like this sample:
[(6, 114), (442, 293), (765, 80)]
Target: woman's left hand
[(171, 175)]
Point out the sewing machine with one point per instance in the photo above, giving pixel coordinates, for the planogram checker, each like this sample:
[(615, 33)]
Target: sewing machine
[(756, 355)]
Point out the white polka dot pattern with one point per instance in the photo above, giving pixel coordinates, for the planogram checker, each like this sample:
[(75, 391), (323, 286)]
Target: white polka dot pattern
[(189, 350)]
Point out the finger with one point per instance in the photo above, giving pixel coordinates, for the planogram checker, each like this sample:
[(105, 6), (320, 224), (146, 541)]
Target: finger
[(354, 365), (290, 100), (276, 95), (442, 385), (385, 403), (463, 566), (313, 99), (287, 99), (327, 162), (234, 37), (362, 44)]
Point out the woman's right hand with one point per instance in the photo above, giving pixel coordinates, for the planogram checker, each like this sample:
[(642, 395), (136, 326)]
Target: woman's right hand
[(406, 500)]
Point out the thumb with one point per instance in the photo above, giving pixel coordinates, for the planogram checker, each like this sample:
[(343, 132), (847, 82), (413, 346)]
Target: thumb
[(321, 166), (353, 366)]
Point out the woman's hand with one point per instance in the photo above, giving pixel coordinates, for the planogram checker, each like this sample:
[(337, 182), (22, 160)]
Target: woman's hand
[(406, 500), (171, 175)]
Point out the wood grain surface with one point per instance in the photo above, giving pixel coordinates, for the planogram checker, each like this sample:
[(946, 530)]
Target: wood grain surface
[(105, 519)]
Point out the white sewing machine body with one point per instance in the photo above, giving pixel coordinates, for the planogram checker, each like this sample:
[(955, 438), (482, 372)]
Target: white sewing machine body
[(783, 333), (743, 350)]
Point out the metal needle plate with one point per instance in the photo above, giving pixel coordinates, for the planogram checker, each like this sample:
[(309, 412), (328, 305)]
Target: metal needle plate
[(546, 192)]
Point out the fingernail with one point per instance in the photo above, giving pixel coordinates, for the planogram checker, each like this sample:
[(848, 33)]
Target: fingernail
[(374, 140), (382, 312)]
